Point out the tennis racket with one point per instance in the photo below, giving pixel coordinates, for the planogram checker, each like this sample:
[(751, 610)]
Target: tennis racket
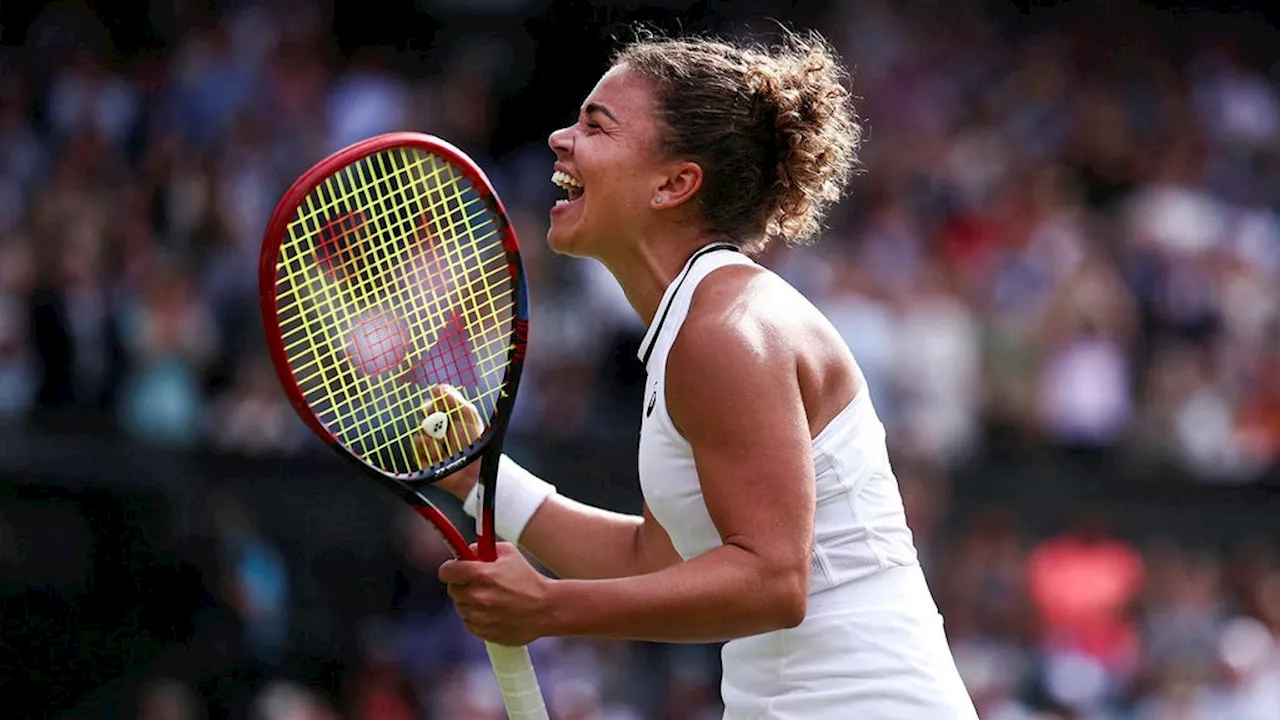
[(388, 269)]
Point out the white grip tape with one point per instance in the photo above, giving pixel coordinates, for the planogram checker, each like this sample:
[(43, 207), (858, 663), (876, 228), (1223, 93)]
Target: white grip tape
[(520, 494), (520, 692)]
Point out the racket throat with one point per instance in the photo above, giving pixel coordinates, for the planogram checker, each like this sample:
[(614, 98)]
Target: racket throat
[(486, 537), (486, 541)]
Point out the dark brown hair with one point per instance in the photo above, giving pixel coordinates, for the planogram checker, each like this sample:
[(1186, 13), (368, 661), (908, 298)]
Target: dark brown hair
[(773, 128)]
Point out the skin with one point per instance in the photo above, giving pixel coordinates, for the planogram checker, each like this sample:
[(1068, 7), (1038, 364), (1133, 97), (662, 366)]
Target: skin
[(619, 575)]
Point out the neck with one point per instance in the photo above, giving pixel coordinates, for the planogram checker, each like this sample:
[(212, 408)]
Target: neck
[(644, 270)]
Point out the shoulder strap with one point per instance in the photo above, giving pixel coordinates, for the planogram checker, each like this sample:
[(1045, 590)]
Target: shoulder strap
[(668, 298)]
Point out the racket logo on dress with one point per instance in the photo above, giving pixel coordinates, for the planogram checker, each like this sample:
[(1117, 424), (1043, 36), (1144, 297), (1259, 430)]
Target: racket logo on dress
[(388, 271)]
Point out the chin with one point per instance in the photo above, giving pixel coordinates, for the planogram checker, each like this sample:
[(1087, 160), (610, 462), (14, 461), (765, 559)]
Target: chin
[(566, 241), (558, 242)]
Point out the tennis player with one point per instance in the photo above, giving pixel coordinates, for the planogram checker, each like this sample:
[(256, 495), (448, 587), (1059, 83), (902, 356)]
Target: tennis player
[(772, 518)]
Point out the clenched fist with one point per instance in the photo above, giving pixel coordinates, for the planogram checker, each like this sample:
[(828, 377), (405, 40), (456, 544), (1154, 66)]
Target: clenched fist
[(449, 424)]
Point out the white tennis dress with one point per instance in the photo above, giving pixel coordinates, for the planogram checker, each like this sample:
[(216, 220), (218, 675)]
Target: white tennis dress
[(872, 645)]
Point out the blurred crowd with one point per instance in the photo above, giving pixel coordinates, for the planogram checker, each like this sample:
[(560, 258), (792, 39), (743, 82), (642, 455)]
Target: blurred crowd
[(1068, 236), (1072, 239), (1079, 624)]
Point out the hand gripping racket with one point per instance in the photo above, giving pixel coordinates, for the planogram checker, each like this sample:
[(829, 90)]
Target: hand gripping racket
[(387, 269)]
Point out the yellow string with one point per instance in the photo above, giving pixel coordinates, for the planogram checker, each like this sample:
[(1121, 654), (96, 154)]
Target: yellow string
[(417, 210)]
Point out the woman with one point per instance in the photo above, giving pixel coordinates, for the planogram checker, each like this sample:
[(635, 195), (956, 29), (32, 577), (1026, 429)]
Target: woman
[(772, 518)]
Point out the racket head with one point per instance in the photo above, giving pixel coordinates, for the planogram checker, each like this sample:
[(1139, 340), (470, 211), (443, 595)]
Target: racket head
[(388, 268)]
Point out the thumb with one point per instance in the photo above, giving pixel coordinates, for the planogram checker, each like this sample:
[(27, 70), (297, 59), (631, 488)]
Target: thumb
[(456, 572)]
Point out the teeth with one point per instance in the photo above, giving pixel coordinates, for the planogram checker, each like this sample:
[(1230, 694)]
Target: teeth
[(565, 180)]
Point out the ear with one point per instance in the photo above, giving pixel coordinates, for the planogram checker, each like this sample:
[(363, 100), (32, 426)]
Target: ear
[(681, 182)]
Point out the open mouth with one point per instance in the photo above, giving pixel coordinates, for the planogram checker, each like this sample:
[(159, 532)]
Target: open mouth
[(569, 184)]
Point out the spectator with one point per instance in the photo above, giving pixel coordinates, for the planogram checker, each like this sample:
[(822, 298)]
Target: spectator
[(17, 362), (168, 699), (287, 701), (170, 339), (1083, 585)]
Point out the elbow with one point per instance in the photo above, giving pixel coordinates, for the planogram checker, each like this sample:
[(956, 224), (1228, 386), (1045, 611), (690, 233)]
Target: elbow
[(792, 609), (776, 588), (789, 598)]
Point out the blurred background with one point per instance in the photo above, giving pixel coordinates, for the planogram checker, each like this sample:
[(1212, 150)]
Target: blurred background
[(1059, 273)]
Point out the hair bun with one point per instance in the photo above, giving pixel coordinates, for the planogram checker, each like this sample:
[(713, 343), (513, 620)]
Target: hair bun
[(815, 128)]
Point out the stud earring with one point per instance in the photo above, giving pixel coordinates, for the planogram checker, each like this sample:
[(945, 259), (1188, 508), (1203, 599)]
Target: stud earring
[(657, 200)]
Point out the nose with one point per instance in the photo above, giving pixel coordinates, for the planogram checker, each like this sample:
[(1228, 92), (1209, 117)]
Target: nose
[(561, 141)]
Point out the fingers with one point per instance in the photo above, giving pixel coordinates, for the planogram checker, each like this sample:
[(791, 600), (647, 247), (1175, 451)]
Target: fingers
[(492, 599), (449, 424), (484, 624), (459, 572), (480, 626), (466, 585), (462, 597)]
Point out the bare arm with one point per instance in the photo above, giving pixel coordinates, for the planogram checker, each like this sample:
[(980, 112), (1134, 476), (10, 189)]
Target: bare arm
[(734, 394), (572, 539), (577, 541)]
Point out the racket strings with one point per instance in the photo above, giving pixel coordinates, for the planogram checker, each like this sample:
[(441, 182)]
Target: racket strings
[(455, 361), (393, 278), (367, 282), (449, 357), (456, 440), (381, 387), (341, 404)]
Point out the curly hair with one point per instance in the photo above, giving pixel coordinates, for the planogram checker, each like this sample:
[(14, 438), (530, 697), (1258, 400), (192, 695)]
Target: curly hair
[(773, 128)]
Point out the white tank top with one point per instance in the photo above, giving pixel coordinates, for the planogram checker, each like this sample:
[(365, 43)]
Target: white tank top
[(872, 642), (859, 525)]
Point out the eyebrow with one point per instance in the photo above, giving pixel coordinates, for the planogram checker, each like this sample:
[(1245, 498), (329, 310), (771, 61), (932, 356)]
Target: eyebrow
[(593, 108)]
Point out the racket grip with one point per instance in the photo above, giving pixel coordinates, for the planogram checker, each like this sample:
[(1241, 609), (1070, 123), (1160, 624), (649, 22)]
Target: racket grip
[(520, 692)]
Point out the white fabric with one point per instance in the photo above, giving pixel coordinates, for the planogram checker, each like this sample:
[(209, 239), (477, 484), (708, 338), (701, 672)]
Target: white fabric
[(520, 494), (872, 644), (873, 648)]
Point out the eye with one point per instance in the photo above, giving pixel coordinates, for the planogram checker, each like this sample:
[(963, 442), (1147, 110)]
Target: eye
[(593, 126)]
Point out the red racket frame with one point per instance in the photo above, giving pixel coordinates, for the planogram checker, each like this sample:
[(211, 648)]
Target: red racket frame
[(408, 487)]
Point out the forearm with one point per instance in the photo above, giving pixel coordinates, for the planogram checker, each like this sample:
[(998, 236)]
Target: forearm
[(582, 542), (572, 539), (726, 593)]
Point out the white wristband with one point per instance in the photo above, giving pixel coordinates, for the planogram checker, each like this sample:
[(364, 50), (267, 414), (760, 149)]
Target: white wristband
[(520, 494)]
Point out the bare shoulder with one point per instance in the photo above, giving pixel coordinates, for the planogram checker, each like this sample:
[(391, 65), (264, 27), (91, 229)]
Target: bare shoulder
[(748, 304), (749, 331), (735, 318), (740, 333), (733, 365)]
